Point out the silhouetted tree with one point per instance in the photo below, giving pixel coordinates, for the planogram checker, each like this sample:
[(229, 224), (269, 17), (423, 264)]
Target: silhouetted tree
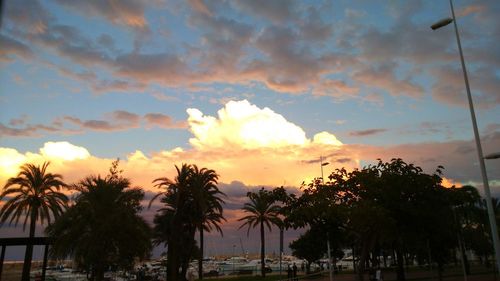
[(310, 246), (103, 228), (34, 195), (208, 205), (387, 207), (192, 201), (261, 211), (172, 221)]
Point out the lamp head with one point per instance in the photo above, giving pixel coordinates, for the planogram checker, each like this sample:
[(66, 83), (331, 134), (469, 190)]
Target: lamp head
[(492, 156), (441, 23), (324, 164)]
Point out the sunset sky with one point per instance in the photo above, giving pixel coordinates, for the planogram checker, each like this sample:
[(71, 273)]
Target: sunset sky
[(257, 90)]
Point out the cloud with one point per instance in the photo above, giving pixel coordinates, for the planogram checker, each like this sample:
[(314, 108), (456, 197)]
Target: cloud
[(245, 125), (259, 147), (27, 16), (69, 42), (19, 121), (335, 88), (64, 150), (294, 50), (288, 67), (245, 166), (10, 160), (263, 166), (429, 128), (126, 12), (274, 11), (162, 121), (61, 153), (383, 77), (369, 132), (471, 9), (118, 120), (285, 58), (121, 120), (404, 40), (449, 87), (242, 135), (12, 47), (224, 53), (27, 130), (162, 67), (313, 27), (200, 7)]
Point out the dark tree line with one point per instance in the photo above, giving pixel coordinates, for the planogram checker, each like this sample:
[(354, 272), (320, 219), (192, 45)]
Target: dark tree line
[(388, 209), (101, 227), (391, 209)]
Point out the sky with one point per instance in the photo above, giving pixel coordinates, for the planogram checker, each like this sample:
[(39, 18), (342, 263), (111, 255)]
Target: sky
[(257, 90)]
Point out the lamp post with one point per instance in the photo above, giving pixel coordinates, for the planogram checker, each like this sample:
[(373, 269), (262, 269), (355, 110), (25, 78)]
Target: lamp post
[(281, 249), (234, 260), (489, 205), (327, 234)]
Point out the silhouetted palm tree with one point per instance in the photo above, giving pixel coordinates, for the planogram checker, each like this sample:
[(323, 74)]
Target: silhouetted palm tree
[(262, 211), (208, 205), (192, 202), (103, 227), (34, 194), (172, 221)]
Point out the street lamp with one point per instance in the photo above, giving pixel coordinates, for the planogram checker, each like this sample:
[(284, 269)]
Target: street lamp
[(327, 234), (489, 205), (492, 156), (322, 164)]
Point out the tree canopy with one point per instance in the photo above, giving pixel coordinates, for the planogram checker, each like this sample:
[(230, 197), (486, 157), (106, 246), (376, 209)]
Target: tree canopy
[(103, 227), (387, 209), (192, 201)]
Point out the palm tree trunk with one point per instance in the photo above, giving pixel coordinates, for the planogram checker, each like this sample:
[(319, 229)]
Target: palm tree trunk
[(172, 262), (29, 249), (99, 273), (262, 250), (200, 260)]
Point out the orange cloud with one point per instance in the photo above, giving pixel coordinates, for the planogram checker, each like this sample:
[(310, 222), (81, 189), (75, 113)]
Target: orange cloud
[(125, 12), (472, 9), (448, 183), (244, 125), (245, 143), (255, 146)]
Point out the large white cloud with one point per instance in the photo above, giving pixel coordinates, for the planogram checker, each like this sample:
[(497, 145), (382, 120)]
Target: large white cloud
[(64, 150), (244, 125)]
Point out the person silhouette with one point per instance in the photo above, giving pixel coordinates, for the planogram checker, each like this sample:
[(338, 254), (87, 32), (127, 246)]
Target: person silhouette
[(295, 272)]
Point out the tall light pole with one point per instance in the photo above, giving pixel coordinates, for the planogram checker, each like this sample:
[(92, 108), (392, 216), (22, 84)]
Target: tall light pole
[(234, 260), (489, 205), (327, 234)]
